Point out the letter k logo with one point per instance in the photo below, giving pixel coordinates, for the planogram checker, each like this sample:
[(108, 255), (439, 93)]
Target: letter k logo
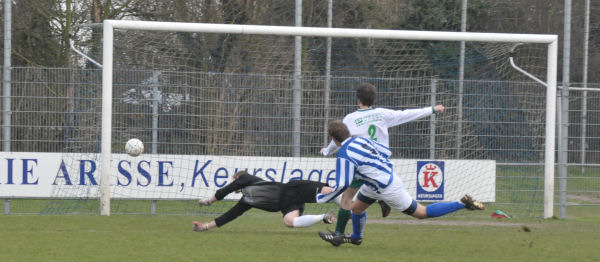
[(429, 178)]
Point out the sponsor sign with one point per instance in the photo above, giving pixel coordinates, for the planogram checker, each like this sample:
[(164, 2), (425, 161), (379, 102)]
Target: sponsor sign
[(430, 180), (71, 175)]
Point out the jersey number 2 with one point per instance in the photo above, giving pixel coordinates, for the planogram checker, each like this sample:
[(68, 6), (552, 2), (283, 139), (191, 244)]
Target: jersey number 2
[(372, 130)]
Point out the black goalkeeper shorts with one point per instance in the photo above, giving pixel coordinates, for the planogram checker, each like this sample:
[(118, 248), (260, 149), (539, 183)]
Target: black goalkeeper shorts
[(295, 194)]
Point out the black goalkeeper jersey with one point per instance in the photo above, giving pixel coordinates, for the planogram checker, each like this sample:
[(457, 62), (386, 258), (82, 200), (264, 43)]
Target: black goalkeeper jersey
[(267, 195), (256, 192)]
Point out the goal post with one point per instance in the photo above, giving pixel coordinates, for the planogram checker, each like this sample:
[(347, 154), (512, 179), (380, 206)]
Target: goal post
[(107, 76)]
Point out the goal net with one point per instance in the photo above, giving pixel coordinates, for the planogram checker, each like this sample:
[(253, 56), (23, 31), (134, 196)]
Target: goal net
[(209, 100)]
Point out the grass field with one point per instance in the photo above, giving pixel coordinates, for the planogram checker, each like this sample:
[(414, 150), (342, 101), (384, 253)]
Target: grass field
[(132, 234), (261, 236)]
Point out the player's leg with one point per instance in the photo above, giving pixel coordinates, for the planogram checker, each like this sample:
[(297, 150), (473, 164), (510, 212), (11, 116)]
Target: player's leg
[(344, 213), (385, 208), (471, 204), (398, 198), (294, 218), (294, 195), (359, 219), (437, 209), (359, 215), (343, 216), (444, 208)]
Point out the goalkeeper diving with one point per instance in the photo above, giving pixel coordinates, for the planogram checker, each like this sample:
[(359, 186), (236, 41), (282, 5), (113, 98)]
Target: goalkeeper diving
[(289, 198)]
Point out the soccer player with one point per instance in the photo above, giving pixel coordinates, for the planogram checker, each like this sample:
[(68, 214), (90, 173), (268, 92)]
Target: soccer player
[(366, 160), (372, 123), (289, 198)]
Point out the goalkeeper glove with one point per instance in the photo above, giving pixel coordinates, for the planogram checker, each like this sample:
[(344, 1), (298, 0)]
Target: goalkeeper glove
[(204, 202)]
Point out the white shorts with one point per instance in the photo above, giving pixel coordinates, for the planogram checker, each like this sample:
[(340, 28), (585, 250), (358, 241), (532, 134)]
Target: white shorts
[(394, 195)]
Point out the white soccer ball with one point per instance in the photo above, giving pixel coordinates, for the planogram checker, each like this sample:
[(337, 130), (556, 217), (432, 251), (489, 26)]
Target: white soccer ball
[(134, 147)]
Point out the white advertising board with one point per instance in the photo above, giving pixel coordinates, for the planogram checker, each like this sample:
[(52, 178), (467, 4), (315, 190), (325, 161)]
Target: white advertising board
[(50, 175)]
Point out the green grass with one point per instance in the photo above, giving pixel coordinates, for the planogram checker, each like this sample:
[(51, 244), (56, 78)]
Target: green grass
[(261, 236), (132, 234)]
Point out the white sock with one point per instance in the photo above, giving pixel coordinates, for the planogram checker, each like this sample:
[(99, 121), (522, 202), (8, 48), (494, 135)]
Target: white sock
[(307, 220)]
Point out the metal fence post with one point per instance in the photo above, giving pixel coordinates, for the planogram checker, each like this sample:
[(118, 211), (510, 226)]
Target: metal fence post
[(7, 206), (434, 83)]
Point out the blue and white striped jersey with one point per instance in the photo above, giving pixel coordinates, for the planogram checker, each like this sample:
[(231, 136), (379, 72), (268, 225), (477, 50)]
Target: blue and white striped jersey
[(365, 160)]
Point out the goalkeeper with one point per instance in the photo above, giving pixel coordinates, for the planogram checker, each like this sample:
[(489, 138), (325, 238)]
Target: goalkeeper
[(289, 198), (371, 123)]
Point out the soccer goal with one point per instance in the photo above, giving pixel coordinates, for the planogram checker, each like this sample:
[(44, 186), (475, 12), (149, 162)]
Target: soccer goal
[(208, 100)]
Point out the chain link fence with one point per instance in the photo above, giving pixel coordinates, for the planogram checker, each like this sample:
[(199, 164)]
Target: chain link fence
[(55, 95), (58, 110)]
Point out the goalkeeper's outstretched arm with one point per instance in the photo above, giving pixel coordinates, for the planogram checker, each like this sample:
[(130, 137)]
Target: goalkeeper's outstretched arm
[(241, 180), (230, 215)]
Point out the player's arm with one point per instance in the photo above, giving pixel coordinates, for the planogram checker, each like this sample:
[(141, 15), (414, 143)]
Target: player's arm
[(398, 117), (237, 184), (344, 173), (232, 214), (330, 149), (241, 182)]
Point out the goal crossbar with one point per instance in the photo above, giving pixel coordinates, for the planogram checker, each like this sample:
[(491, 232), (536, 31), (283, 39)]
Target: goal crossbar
[(329, 32), (107, 73)]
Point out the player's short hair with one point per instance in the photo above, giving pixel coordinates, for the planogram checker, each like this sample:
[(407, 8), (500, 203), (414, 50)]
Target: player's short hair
[(338, 130), (366, 94), (239, 173)]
